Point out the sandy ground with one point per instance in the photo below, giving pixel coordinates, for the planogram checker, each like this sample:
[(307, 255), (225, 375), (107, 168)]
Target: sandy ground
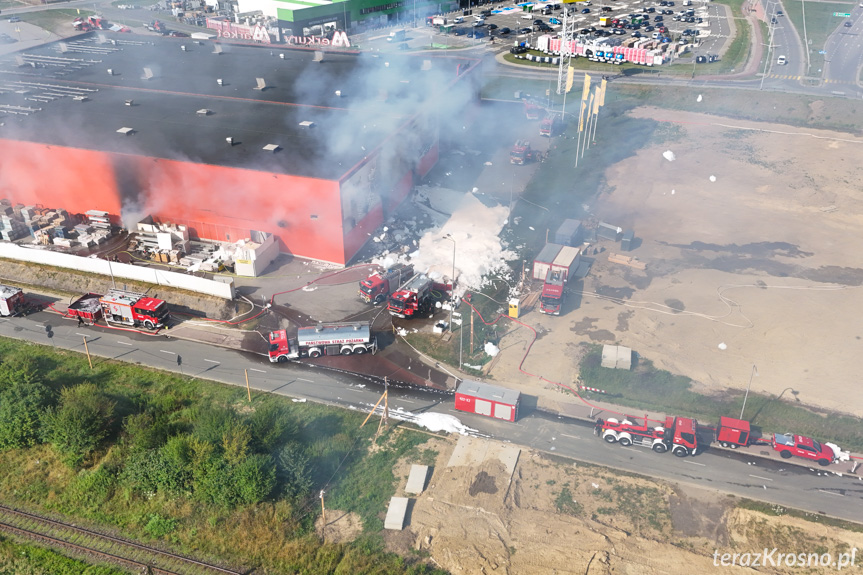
[(763, 260), (554, 516)]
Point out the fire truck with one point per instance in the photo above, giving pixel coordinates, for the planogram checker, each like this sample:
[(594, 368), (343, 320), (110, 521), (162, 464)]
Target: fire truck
[(346, 338), (531, 110), (678, 434), (128, 308), (521, 153), (412, 299), (551, 125), (551, 299), (12, 301), (378, 286), (87, 308), (790, 445)]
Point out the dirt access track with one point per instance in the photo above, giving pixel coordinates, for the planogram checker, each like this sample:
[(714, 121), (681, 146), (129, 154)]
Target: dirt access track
[(750, 240)]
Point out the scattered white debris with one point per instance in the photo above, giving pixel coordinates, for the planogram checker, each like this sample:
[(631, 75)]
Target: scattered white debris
[(489, 164), (699, 98), (595, 486), (401, 331), (723, 346), (838, 453), (672, 192), (299, 400), (309, 288), (531, 228), (476, 367), (712, 178), (442, 422), (669, 155), (491, 349)]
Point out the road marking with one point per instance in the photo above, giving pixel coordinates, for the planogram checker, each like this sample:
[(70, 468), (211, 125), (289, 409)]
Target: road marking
[(694, 463), (407, 400), (307, 380), (169, 352), (123, 342), (355, 389), (258, 370), (572, 436), (759, 477), (212, 361), (81, 334), (831, 493)]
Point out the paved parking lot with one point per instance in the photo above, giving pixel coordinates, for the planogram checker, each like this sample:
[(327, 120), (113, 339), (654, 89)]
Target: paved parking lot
[(502, 25)]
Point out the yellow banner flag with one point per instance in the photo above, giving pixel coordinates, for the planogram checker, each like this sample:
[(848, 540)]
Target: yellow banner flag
[(79, 10), (581, 117), (572, 1), (570, 75), (596, 95), (586, 91), (602, 92)]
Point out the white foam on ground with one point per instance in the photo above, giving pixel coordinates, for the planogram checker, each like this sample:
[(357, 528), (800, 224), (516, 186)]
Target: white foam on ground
[(442, 422)]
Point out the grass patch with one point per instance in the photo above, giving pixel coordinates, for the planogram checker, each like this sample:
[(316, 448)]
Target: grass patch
[(566, 503), (26, 559), (777, 511), (59, 19), (276, 533), (646, 387), (820, 23)]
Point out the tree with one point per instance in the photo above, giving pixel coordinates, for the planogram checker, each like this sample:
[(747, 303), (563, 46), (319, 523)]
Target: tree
[(20, 368), (271, 425), (22, 406), (293, 472), (79, 423)]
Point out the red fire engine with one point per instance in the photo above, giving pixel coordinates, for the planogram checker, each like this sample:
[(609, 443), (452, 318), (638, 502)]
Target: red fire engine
[(520, 153), (678, 434), (127, 308), (346, 338), (412, 299), (551, 299), (378, 286)]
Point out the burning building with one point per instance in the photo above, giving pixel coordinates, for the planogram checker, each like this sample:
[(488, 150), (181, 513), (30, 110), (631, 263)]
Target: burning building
[(316, 148)]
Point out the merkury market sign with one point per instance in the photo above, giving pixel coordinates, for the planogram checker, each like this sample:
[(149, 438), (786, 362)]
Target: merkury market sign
[(339, 39)]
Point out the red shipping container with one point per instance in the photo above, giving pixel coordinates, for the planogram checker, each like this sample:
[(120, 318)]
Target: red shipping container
[(486, 399)]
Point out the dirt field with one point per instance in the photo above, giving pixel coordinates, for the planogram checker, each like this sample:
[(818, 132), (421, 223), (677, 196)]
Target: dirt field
[(553, 516), (762, 260)]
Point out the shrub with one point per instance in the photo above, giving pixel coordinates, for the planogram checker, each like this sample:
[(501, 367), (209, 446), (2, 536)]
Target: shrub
[(79, 424)]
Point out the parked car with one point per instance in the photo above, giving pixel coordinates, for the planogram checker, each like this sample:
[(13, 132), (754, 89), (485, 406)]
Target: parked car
[(504, 31), (492, 26), (847, 23), (586, 11), (524, 31), (14, 19), (517, 50), (781, 60)]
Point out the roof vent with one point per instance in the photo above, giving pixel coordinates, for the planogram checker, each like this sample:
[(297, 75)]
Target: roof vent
[(220, 82), (230, 140), (217, 49), (307, 124), (183, 47), (80, 98), (204, 112), (110, 72), (426, 65), (126, 131), (64, 47), (319, 56), (338, 93), (282, 55), (148, 74), (272, 148), (262, 84), (130, 102)]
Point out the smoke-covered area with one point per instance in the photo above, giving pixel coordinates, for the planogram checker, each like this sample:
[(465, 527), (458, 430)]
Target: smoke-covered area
[(469, 238)]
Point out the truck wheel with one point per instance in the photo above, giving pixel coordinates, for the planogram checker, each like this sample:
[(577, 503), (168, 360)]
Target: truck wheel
[(733, 445), (785, 454), (823, 462), (379, 299), (282, 359), (625, 441), (680, 451), (723, 443), (314, 353), (148, 324), (610, 438), (660, 448), (360, 350), (346, 351)]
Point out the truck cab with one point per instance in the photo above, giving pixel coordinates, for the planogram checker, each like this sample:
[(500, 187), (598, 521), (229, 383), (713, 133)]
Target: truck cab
[(790, 445), (281, 348)]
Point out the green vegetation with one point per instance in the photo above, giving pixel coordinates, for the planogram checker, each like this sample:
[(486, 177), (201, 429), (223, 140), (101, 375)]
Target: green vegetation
[(657, 390), (777, 511), (566, 503), (60, 19), (191, 463), (820, 23), (24, 559)]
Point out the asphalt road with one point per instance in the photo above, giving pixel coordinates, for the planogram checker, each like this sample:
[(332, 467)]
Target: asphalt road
[(786, 42), (729, 472), (844, 54)]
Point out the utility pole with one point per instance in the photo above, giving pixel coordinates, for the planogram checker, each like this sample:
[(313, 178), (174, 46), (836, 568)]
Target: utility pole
[(323, 517), (471, 331), (249, 389), (745, 397), (90, 361)]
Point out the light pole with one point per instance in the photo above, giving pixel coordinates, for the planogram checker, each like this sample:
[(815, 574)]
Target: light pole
[(452, 281), (753, 374)]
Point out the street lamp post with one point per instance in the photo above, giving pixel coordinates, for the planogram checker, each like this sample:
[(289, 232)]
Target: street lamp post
[(753, 374), (452, 281)]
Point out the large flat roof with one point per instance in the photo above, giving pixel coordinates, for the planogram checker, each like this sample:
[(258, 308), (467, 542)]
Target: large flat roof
[(41, 90)]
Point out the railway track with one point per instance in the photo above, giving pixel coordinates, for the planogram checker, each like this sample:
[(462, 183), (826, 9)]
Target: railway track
[(86, 543)]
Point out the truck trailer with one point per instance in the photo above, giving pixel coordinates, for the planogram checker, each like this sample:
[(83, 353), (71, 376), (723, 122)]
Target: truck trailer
[(542, 262), (87, 308), (678, 435)]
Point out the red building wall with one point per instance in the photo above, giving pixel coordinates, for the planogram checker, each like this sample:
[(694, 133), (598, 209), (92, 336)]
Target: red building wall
[(216, 202)]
